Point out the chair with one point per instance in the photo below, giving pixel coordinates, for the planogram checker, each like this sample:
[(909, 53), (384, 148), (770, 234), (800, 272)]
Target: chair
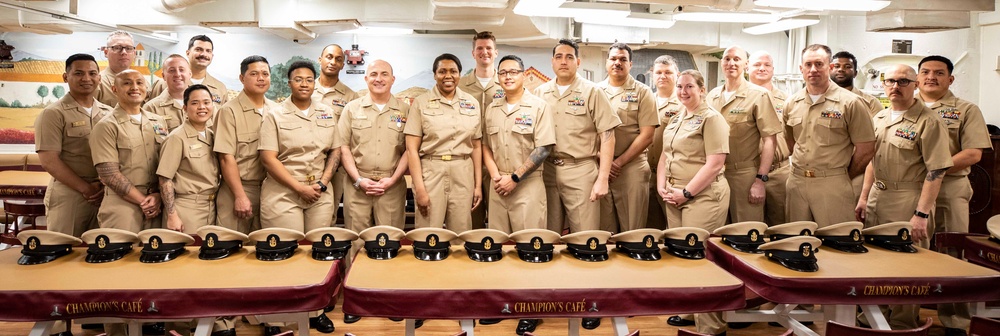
[(685, 332), (834, 328), (29, 210), (982, 326)]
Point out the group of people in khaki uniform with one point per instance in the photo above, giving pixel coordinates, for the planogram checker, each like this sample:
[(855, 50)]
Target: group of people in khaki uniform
[(581, 152)]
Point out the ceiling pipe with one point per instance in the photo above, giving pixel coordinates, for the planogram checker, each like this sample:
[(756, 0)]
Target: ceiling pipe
[(73, 18), (174, 6)]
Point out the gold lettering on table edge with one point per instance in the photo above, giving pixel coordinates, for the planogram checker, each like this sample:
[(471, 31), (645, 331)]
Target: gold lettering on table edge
[(550, 307), (104, 307), (993, 257), (897, 290)]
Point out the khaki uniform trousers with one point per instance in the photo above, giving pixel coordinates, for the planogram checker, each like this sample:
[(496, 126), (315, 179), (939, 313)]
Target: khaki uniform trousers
[(481, 213), (741, 176), (827, 198), (226, 202), (520, 210), (857, 183), (67, 211), (626, 205), (118, 213), (952, 215), (775, 194), (385, 210), (567, 191), (195, 211), (656, 217), (282, 207), (449, 185), (339, 180)]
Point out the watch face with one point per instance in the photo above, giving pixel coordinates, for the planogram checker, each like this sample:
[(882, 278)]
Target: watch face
[(763, 178)]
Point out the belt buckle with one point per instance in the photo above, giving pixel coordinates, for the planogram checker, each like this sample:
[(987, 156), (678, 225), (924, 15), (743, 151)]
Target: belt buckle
[(809, 173), (310, 178), (211, 197), (446, 157), (880, 185), (558, 162), (671, 180)]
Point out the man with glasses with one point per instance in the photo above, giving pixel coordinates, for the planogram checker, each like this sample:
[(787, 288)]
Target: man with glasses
[(903, 180), (120, 51), (200, 53)]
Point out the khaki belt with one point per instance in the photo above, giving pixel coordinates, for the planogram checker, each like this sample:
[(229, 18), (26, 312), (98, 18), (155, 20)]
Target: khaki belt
[(677, 181), (306, 178), (197, 197), (448, 157), (818, 173), (143, 189), (559, 161), (889, 185), (779, 164), (743, 164), (375, 175)]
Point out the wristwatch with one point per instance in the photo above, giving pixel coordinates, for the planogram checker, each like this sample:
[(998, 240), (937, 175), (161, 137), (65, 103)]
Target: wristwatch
[(921, 214), (763, 177), (322, 187), (357, 183), (687, 194), (513, 177)]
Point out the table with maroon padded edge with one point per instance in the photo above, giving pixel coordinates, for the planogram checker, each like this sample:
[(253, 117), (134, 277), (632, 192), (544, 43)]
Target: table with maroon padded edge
[(459, 288), (29, 185), (846, 280), (186, 288), (980, 250)]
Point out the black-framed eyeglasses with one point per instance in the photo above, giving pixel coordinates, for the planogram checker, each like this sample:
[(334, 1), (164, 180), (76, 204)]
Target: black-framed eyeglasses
[(502, 73), (902, 82), (119, 48)]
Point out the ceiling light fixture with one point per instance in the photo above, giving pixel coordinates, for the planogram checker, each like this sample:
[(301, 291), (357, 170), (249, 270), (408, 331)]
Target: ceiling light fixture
[(782, 25), (824, 5), (725, 17), (561, 8), (365, 30), (643, 20)]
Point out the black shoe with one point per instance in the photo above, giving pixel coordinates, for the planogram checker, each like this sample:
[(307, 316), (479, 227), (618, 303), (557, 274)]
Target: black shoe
[(230, 332), (393, 319), (348, 318), (739, 325), (155, 329), (490, 321), (527, 325), (417, 324), (591, 323), (321, 323), (327, 309), (271, 331), (721, 334), (64, 333), (954, 332), (92, 326), (677, 321)]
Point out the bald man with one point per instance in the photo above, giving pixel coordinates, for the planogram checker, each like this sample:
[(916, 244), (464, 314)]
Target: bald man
[(332, 92), (761, 71)]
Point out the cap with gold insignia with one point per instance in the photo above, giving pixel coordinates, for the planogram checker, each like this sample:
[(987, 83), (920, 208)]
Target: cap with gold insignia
[(218, 242), (431, 244), (331, 243), (795, 253), (275, 244), (161, 245), (639, 244), (788, 230), (534, 245), (686, 242), (381, 242), (41, 246), (588, 245), (845, 236), (107, 244), (484, 244), (743, 237), (993, 226), (893, 236)]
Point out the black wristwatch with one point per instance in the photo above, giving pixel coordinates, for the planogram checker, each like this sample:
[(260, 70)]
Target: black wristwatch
[(513, 177), (687, 194), (921, 214), (763, 177), (322, 187)]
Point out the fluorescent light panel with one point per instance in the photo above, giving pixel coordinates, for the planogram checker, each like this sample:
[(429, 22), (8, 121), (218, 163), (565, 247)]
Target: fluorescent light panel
[(725, 17), (823, 5), (378, 31), (561, 8), (643, 20), (782, 25)]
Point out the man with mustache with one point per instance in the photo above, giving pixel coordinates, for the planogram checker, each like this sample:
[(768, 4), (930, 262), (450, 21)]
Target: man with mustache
[(120, 52), (968, 137), (169, 104), (200, 53), (903, 180)]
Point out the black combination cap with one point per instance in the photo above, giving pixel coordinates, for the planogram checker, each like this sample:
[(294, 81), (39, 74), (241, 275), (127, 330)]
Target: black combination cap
[(795, 253), (41, 246), (218, 242), (639, 244), (686, 242), (274, 244), (107, 244), (331, 243), (788, 230), (484, 245), (743, 237), (534, 245), (431, 244), (162, 245), (893, 236), (382, 241), (588, 245), (845, 237)]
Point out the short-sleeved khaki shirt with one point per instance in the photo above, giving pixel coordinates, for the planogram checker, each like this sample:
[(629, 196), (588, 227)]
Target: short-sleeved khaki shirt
[(220, 94), (664, 112), (781, 152), (690, 137), (188, 159), (910, 146), (134, 145), (237, 133), (826, 130), (168, 108), (966, 127), (636, 107), (375, 137), (874, 105), (484, 95), (65, 127), (512, 134), (336, 97), (303, 141), (446, 127), (107, 97), (751, 116), (580, 115)]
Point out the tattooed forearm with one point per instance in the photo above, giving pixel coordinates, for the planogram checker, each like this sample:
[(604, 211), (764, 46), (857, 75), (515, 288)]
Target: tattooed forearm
[(111, 176), (167, 194), (332, 162), (535, 160), (935, 174), (606, 136)]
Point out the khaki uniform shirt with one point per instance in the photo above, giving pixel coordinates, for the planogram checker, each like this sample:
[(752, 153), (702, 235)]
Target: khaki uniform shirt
[(188, 159), (874, 105), (781, 152), (375, 137), (665, 111), (336, 97), (237, 133), (303, 141), (751, 116), (579, 114), (966, 127), (171, 111), (65, 127), (107, 97), (484, 95), (826, 130), (513, 134), (636, 107), (220, 94), (447, 128), (134, 145), (910, 146), (689, 140)]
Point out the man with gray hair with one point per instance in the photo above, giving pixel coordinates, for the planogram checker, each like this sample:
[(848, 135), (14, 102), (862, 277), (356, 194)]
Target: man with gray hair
[(664, 79), (121, 51), (761, 71)]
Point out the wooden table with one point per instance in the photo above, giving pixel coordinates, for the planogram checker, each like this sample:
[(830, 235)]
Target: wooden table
[(459, 288), (980, 250), (183, 289), (845, 280), (17, 184)]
